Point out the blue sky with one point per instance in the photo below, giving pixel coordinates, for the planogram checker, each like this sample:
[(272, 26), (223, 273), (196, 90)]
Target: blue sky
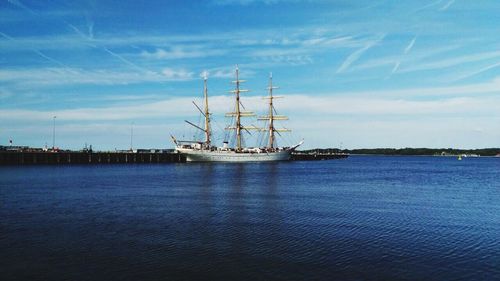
[(354, 73)]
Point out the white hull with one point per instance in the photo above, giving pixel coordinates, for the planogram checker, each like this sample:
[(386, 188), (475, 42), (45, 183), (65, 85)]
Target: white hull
[(197, 155)]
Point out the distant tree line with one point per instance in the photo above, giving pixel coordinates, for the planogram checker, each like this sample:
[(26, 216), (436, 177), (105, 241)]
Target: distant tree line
[(409, 151)]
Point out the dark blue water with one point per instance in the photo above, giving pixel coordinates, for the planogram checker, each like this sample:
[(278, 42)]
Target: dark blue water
[(364, 218)]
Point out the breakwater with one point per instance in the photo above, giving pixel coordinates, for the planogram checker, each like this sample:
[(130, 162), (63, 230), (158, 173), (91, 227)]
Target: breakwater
[(30, 158)]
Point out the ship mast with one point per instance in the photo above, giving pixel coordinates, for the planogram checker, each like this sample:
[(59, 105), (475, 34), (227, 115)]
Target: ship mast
[(207, 113), (238, 113), (271, 117)]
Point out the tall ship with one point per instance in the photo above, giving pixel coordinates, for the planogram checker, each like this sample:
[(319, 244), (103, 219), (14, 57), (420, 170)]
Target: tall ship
[(205, 151)]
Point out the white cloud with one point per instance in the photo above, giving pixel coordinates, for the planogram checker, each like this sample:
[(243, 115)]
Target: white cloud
[(362, 103), (289, 59), (443, 132), (222, 73), (177, 74), (451, 120), (180, 52), (228, 72)]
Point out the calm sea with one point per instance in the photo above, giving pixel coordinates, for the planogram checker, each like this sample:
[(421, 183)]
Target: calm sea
[(364, 218)]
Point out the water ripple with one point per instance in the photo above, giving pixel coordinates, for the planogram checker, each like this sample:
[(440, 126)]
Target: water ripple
[(366, 218)]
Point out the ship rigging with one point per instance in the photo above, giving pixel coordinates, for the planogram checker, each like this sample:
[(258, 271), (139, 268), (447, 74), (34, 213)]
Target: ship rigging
[(206, 151)]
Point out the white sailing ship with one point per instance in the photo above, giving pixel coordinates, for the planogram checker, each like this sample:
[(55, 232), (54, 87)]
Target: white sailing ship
[(204, 151)]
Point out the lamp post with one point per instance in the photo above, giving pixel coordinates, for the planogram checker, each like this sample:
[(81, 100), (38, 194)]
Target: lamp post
[(54, 133), (131, 136)]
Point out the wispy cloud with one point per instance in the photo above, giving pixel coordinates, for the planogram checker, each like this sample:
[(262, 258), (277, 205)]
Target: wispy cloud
[(387, 107), (181, 52), (4, 93), (252, 42), (475, 72), (412, 58), (228, 71), (301, 49), (177, 74), (447, 5), (287, 59), (90, 27), (87, 37), (225, 73), (432, 4), (248, 2), (458, 60), (36, 51), (396, 67), (88, 40), (457, 99), (410, 45), (469, 90), (77, 31), (296, 48), (40, 77), (301, 105), (294, 60), (426, 60), (126, 61), (357, 54), (406, 51), (21, 5), (382, 114), (60, 55)]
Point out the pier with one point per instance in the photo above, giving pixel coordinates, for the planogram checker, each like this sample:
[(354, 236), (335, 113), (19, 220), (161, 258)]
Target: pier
[(31, 158)]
